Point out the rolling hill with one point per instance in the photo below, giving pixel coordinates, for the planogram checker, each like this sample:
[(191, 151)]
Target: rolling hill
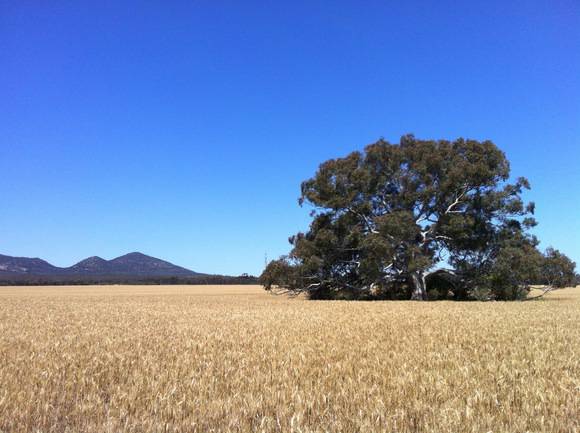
[(132, 268), (135, 264)]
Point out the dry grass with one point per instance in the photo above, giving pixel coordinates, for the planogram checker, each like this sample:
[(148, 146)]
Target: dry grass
[(165, 359)]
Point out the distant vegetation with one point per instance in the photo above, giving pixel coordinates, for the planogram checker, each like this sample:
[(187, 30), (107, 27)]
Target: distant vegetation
[(71, 280), (418, 220)]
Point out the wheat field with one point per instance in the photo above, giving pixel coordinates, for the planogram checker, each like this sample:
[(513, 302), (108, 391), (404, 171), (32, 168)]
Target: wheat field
[(236, 359)]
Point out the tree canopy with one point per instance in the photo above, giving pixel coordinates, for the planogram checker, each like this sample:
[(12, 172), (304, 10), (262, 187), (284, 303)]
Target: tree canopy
[(416, 220)]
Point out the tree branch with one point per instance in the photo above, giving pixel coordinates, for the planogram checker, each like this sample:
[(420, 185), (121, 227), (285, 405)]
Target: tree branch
[(545, 290)]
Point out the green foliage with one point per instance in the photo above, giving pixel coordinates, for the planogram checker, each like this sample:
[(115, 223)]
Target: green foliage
[(386, 218), (557, 270)]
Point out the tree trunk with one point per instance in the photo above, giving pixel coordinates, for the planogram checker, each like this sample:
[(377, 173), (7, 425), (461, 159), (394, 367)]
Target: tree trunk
[(419, 286)]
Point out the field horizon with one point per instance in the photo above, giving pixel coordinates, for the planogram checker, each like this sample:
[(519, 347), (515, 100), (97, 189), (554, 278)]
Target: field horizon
[(236, 358)]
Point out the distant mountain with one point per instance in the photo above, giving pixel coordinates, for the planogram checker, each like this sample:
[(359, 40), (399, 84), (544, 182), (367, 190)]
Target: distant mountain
[(91, 265), (26, 265), (133, 264)]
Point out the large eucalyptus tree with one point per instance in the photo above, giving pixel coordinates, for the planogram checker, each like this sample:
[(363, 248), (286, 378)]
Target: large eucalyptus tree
[(388, 218)]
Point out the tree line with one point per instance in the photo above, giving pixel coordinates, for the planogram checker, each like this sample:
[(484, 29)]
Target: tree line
[(125, 279)]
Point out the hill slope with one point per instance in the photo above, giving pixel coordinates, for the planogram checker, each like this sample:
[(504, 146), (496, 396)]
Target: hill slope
[(27, 265), (136, 264)]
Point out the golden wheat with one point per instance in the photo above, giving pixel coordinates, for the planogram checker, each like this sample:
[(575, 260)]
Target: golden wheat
[(236, 359)]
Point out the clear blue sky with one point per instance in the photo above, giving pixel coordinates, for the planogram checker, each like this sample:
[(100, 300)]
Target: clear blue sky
[(183, 129)]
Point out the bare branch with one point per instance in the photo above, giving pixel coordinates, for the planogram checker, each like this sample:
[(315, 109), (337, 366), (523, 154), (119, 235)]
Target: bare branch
[(545, 290)]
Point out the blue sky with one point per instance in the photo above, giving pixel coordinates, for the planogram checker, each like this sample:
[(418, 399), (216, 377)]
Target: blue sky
[(183, 129)]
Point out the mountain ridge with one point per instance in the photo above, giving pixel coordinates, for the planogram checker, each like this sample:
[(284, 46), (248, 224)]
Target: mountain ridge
[(22, 265), (135, 263)]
